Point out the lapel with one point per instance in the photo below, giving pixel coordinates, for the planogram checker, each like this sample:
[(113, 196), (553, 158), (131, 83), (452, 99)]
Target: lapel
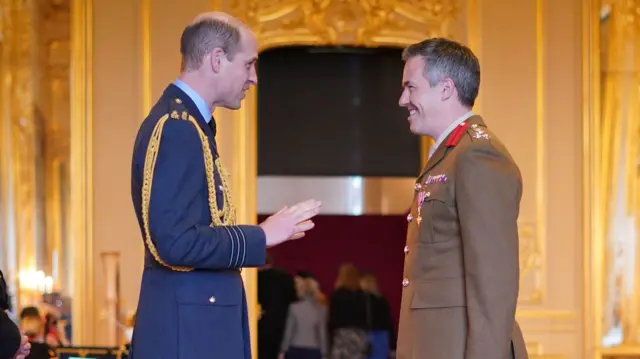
[(449, 143), (437, 156)]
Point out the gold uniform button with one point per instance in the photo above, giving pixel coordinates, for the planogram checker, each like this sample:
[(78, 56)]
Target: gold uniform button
[(406, 249), (212, 300), (405, 282), (409, 217)]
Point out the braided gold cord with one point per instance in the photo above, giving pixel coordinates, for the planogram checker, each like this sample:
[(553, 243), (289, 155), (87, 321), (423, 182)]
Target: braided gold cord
[(223, 217)]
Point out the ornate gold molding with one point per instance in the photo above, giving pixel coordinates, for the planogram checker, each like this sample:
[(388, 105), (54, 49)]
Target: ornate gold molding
[(593, 244), (145, 21), (27, 160), (531, 263), (81, 166), (338, 22), (8, 235), (609, 48), (536, 322), (54, 103), (22, 44), (537, 351), (533, 232), (474, 38), (541, 177)]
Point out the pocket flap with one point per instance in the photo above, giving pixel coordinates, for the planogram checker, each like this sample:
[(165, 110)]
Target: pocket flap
[(438, 293), (437, 193)]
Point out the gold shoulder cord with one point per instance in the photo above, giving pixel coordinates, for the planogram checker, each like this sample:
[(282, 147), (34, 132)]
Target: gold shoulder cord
[(223, 217)]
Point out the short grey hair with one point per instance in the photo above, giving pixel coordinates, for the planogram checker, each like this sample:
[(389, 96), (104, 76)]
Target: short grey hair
[(202, 37), (448, 59)]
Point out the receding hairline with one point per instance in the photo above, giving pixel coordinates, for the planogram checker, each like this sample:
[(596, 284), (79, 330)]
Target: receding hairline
[(229, 33), (222, 17), (244, 30)]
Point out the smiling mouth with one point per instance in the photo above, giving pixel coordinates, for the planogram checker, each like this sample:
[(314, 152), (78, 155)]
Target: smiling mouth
[(412, 111)]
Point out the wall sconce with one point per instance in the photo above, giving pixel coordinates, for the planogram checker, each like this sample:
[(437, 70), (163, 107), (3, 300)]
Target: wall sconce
[(32, 284)]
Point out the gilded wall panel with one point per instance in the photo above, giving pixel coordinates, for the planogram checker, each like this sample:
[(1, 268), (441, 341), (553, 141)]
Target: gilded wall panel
[(531, 263), (612, 119), (24, 131), (35, 130), (530, 55)]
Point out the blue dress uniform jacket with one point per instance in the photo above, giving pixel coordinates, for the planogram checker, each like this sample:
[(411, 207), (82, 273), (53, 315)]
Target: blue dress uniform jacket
[(192, 301)]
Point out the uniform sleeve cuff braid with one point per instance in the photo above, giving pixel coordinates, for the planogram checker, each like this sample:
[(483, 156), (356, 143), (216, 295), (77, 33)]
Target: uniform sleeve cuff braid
[(252, 244)]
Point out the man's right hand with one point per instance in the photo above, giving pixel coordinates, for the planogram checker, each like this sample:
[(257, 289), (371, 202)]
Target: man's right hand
[(290, 222)]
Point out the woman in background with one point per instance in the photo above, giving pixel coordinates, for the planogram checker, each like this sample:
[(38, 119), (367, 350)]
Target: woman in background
[(54, 331), (379, 321), (305, 334), (314, 287), (347, 316)]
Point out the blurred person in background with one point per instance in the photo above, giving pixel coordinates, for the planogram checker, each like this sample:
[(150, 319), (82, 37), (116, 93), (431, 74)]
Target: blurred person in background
[(276, 291), (314, 287), (305, 335), (54, 334), (347, 316), (379, 320), (32, 324)]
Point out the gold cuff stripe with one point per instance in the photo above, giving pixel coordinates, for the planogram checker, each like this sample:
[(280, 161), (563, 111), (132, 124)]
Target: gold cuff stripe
[(223, 217)]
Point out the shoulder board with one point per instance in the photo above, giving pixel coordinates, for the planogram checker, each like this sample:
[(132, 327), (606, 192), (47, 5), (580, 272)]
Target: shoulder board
[(478, 132), (456, 134), (177, 110)]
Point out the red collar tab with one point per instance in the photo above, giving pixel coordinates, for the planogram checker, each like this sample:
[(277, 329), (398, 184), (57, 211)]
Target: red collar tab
[(456, 134)]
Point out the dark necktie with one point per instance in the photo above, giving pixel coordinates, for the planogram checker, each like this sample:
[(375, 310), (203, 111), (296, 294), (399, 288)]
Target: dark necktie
[(212, 126)]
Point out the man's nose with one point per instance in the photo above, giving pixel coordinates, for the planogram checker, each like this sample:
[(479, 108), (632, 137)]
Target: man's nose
[(403, 101), (253, 76)]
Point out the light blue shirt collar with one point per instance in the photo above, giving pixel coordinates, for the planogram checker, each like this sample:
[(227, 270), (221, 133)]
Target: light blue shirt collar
[(204, 109), (448, 130)]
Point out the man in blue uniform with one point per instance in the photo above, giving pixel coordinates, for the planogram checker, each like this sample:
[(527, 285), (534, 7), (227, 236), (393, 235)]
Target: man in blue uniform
[(192, 301)]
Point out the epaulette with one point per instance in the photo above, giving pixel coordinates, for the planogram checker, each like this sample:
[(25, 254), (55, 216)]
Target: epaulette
[(478, 132), (177, 110), (456, 134)]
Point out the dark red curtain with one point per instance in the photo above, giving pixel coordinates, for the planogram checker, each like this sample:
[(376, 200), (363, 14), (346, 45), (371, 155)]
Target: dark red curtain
[(371, 242)]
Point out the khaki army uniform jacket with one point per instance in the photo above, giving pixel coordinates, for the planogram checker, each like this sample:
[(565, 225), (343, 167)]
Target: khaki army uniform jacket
[(461, 271)]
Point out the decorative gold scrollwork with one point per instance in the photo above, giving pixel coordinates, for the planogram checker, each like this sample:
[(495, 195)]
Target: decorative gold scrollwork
[(531, 262), (343, 22)]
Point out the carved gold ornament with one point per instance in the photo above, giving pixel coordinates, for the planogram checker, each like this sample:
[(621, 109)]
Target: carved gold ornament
[(343, 22)]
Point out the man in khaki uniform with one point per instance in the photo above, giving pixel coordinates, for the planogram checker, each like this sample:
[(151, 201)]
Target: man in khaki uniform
[(461, 272)]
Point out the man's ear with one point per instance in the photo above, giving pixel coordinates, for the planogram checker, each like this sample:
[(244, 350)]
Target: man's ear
[(216, 57), (448, 88)]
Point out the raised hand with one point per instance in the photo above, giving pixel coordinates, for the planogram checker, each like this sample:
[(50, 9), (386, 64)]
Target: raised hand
[(290, 222)]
